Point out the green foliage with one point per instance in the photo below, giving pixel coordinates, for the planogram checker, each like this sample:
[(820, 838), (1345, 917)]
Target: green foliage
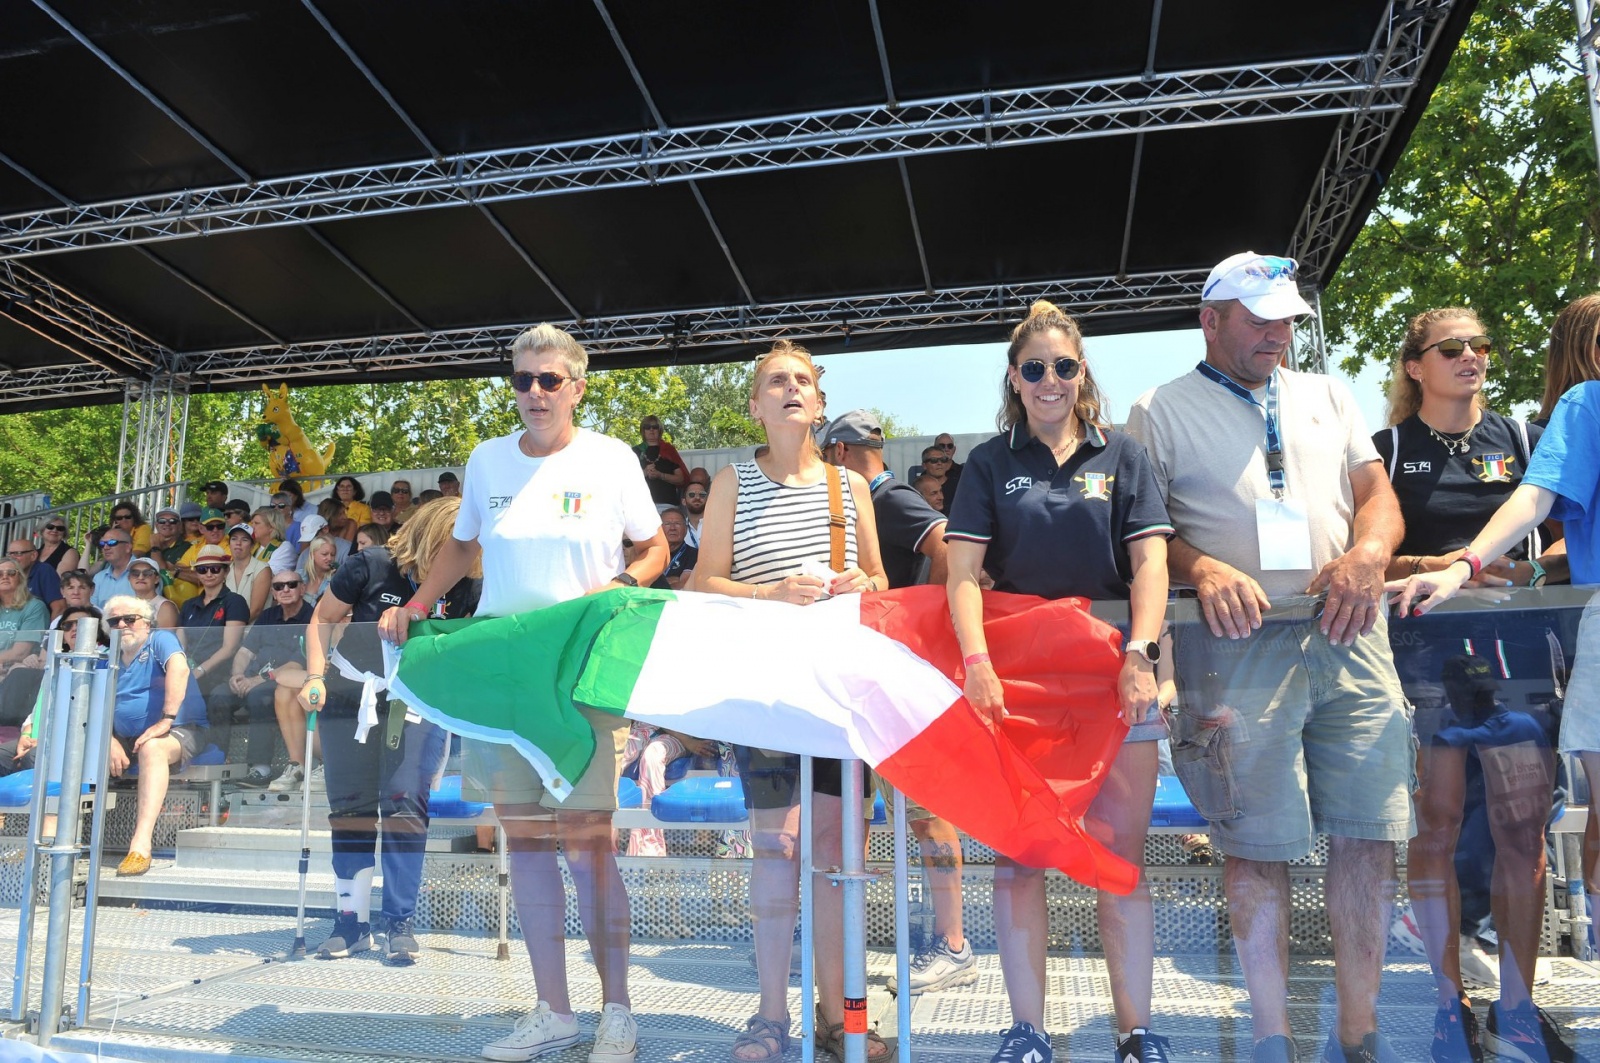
[(893, 427), (701, 406), (1493, 205)]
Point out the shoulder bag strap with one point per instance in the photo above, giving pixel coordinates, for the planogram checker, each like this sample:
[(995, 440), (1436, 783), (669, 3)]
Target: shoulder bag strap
[(835, 521)]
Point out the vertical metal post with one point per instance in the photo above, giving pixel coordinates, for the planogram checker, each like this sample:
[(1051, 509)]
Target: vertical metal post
[(902, 926), (122, 445), (64, 849), (23, 969), (502, 879), (183, 444), (97, 826), (808, 984), (853, 881), (1583, 10)]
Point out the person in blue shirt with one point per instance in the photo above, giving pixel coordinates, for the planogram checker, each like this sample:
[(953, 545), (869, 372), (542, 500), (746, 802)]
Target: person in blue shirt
[(160, 718), (1562, 481)]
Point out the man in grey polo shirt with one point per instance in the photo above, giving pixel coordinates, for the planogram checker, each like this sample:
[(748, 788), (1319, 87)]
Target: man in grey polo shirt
[(1293, 721)]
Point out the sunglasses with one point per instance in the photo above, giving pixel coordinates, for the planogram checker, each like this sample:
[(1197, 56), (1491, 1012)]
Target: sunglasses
[(1454, 348), (285, 586), (22, 553), (1033, 369), (695, 494), (143, 572), (55, 527), (522, 383), (106, 544), (934, 459), (216, 525), (163, 520), (123, 516), (280, 505), (126, 620), (13, 573), (210, 570)]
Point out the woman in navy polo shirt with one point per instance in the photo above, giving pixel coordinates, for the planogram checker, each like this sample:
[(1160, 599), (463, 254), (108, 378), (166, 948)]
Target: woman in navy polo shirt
[(1059, 506)]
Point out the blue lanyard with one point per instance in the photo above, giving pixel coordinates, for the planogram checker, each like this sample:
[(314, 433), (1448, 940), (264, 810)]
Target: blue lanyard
[(1275, 476), (878, 479)]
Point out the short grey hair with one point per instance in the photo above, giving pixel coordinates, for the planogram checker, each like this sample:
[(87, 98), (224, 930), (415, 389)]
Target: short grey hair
[(123, 604), (547, 337)]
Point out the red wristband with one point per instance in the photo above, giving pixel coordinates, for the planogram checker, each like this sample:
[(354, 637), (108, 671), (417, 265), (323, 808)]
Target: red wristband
[(418, 606), (974, 658), (1474, 562)]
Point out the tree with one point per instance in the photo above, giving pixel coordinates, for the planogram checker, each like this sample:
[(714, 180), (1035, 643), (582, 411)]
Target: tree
[(702, 406), (1494, 205)]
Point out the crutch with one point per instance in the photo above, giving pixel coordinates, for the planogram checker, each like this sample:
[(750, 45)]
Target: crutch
[(299, 950)]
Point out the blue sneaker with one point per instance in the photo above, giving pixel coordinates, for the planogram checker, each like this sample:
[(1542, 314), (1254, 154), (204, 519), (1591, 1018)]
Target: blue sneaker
[(1527, 1035), (1142, 1046), (1023, 1044), (1455, 1035)]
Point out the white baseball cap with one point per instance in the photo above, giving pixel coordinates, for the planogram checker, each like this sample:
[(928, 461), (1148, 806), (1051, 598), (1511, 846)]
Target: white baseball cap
[(1265, 284)]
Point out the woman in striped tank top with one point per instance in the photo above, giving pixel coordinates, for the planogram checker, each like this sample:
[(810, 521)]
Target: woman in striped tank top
[(765, 535)]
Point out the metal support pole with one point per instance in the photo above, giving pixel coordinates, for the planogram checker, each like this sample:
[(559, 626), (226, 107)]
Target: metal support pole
[(97, 827), (1583, 10), (65, 850), (122, 445), (902, 928), (808, 983), (502, 880), (183, 444), (36, 815), (852, 878)]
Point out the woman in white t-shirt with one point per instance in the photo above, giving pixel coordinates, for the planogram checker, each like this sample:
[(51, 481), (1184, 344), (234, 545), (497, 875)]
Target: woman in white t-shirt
[(548, 507)]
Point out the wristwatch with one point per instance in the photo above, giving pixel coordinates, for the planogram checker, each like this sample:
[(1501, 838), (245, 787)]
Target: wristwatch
[(1150, 651), (625, 578)]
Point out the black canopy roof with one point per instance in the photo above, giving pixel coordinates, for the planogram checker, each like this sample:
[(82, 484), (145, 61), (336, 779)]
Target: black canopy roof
[(227, 193)]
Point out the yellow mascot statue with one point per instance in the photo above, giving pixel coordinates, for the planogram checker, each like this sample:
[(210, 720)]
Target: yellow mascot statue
[(290, 453)]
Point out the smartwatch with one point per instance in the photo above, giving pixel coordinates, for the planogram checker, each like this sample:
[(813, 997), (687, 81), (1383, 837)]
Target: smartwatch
[(625, 578), (1539, 574), (1150, 651)]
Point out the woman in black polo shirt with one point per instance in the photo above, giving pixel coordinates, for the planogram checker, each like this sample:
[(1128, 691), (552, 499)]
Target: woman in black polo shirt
[(1058, 506)]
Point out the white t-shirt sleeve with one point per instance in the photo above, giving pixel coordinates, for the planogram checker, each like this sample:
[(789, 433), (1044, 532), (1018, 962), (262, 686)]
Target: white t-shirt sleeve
[(469, 518)]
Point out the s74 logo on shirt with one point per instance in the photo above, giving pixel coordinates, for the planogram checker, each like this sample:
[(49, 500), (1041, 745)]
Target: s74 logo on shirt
[(1018, 483), (499, 501)]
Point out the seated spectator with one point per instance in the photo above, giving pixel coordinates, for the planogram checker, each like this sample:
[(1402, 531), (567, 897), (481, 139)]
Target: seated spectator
[(371, 535), (160, 717), (210, 628), (645, 758), (145, 576), (57, 552), (698, 476), (694, 508), (449, 485), (283, 503), (430, 495), (382, 505), (681, 556), (167, 544), (23, 620), (17, 755), (267, 673), (43, 583), (186, 583), (936, 463), (77, 588), (216, 493), (247, 575), (929, 488), (93, 560), (331, 510), (400, 491), (125, 517), (111, 578), (664, 470), (298, 509), (267, 529), (317, 566), (190, 513), (237, 511), (348, 490)]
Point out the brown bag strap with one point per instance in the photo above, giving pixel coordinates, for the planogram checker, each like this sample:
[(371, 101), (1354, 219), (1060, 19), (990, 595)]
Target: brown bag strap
[(835, 521)]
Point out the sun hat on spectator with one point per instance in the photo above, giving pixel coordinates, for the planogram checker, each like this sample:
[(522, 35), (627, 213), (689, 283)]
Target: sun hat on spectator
[(212, 553), (212, 515), (1265, 284), (858, 428), (215, 485), (190, 511), (136, 562), (380, 500), (241, 529), (168, 509), (310, 527)]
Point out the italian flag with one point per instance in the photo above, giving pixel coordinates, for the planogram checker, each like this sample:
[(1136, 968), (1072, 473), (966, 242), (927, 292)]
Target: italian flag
[(874, 677)]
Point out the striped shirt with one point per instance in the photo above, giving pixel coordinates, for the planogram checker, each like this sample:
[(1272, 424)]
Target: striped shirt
[(777, 528)]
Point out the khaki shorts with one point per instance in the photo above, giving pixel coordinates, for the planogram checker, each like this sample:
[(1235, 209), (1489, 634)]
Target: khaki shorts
[(496, 772)]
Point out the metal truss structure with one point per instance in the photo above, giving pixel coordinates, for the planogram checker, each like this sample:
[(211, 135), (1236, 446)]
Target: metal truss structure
[(155, 429), (1348, 85), (1367, 92)]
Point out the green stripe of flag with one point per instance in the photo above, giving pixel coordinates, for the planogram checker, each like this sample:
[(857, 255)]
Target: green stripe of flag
[(618, 656)]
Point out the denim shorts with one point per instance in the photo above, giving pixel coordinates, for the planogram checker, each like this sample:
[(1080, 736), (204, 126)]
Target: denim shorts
[(1284, 735)]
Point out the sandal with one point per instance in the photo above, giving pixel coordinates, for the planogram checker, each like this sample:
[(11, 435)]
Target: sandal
[(763, 1034), (830, 1038)]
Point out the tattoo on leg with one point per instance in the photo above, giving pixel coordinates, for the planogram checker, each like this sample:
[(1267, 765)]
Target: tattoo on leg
[(941, 856)]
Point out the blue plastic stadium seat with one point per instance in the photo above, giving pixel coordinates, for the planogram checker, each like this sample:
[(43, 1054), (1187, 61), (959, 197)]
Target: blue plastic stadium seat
[(447, 803), (880, 811), (1172, 806), (701, 800), (16, 789), (628, 793)]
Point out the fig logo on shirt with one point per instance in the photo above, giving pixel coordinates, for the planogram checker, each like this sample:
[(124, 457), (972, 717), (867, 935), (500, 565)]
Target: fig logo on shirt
[(1494, 468), (1096, 485), (571, 503), (1018, 483)]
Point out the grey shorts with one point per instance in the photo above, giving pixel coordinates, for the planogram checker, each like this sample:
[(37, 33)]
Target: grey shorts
[(1580, 715), (192, 741), (496, 772), (1284, 735)]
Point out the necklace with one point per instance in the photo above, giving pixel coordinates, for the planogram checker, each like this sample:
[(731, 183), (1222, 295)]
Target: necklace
[(1455, 445)]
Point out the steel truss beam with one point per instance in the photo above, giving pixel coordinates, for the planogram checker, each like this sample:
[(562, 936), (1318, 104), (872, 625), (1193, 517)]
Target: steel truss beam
[(1350, 166), (1339, 85), (57, 385), (678, 335), (117, 345)]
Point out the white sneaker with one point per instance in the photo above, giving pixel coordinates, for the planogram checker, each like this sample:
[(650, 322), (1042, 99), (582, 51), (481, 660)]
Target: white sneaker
[(319, 781), (938, 966), (1478, 968), (536, 1033), (617, 1039), (289, 781)]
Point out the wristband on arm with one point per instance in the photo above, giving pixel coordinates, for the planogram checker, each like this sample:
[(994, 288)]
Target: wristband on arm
[(1473, 562)]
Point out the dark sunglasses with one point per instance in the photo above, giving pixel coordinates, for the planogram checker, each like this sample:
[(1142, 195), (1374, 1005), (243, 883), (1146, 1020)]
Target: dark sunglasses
[(126, 620), (285, 586), (143, 572), (55, 527), (522, 383), (106, 544), (935, 459), (1033, 369), (210, 570), (123, 516), (1453, 348), (166, 520), (280, 505)]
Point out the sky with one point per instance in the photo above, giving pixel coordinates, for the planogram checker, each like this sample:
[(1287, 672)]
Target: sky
[(957, 389)]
